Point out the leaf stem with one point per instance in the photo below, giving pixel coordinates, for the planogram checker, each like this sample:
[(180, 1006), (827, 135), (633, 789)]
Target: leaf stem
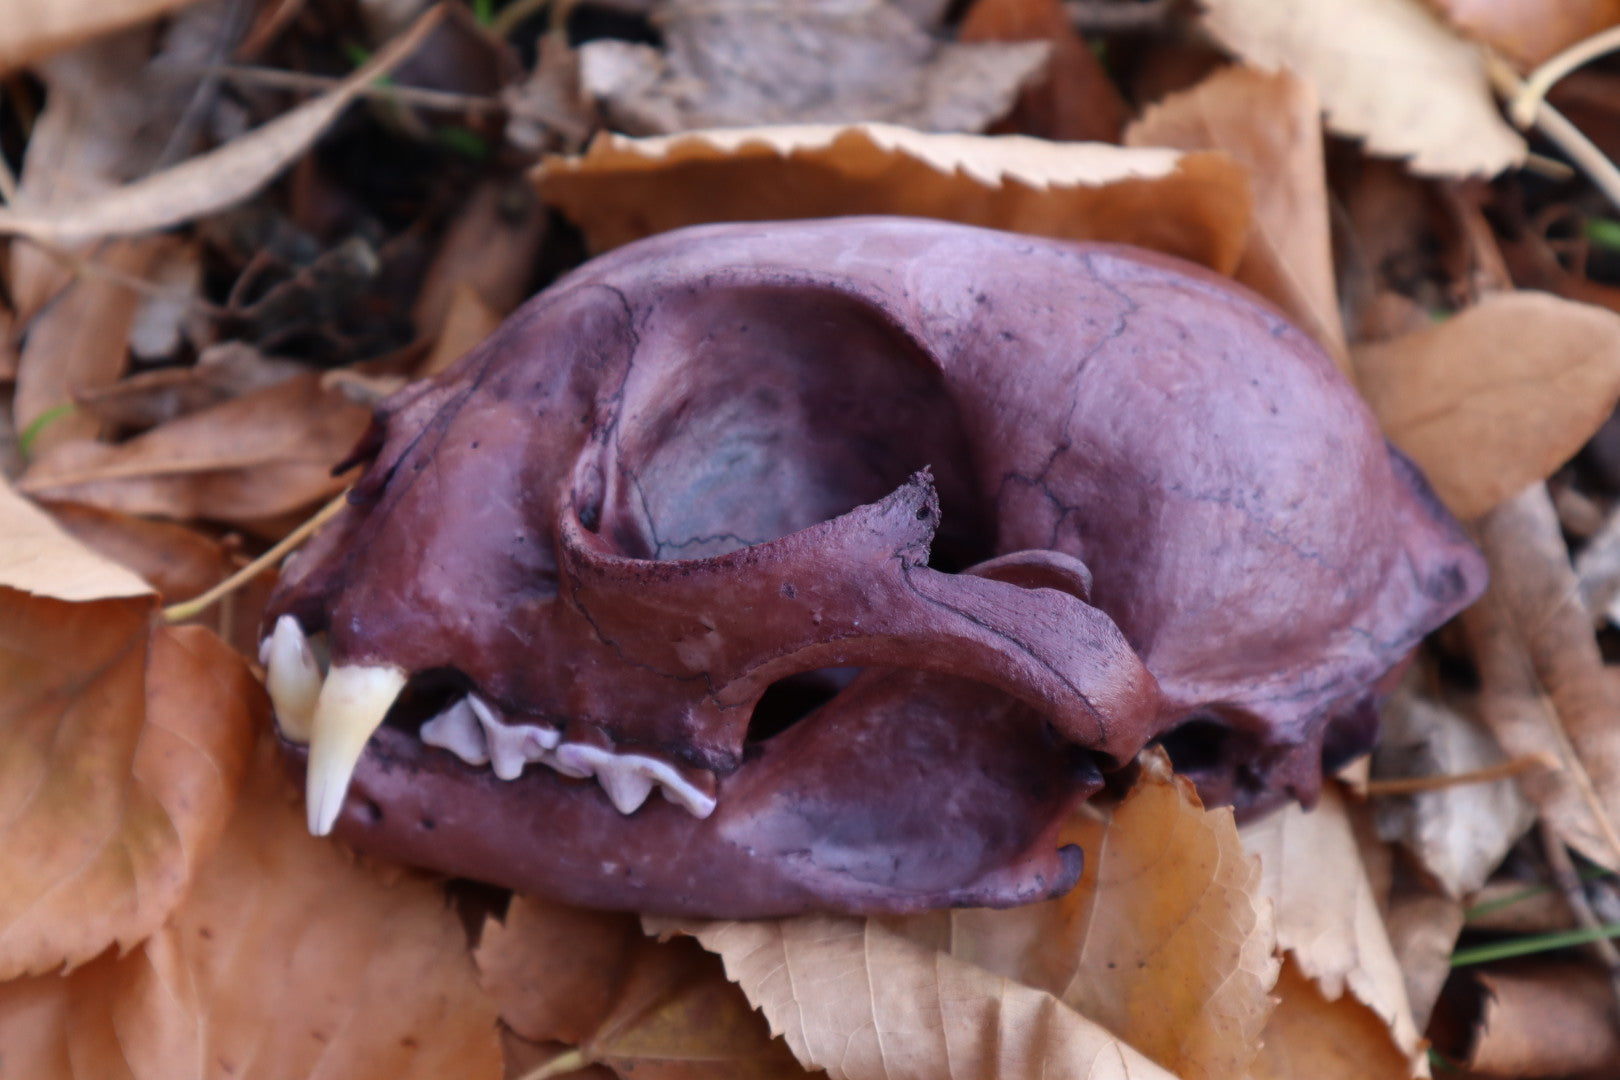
[(1415, 785), (191, 608)]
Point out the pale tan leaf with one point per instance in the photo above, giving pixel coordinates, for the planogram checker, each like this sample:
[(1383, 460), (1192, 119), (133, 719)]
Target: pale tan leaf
[(861, 1001), (1312, 1036), (38, 557), (1387, 73), (1328, 921), (1164, 942), (30, 31), (253, 457), (1543, 688), (465, 322), (1530, 31), (1271, 124), (489, 251), (1423, 930), (1195, 205), (121, 750), (1498, 396), (1458, 834), (177, 562), (287, 960), (214, 180)]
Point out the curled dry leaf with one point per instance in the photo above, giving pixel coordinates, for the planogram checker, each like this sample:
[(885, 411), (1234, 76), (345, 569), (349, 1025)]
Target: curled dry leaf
[(121, 748), (33, 31), (1458, 834), (1387, 72), (1165, 941), (724, 65), (1543, 687), (253, 457), (1328, 920), (860, 1000), (1195, 205), (1498, 396), (212, 181), (1270, 124), (1552, 1019), (1529, 31), (643, 1007), (286, 960)]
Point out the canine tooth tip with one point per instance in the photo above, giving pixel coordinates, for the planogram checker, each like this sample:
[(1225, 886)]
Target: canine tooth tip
[(351, 706)]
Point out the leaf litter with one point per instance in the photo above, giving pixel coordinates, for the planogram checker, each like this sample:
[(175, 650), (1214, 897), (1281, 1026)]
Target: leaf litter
[(197, 322)]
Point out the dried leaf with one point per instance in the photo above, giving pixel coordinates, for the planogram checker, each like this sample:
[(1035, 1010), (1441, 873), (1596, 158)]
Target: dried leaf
[(31, 31), (490, 250), (647, 1008), (287, 960), (1543, 687), (1423, 930), (121, 748), (1530, 31), (821, 61), (1193, 205), (1075, 100), (1498, 396), (1387, 72), (150, 398), (1554, 1019), (1457, 834), (861, 1001), (39, 558), (1269, 123), (466, 322), (210, 181), (177, 562), (1312, 1036), (1165, 941), (253, 457), (1328, 922), (80, 344)]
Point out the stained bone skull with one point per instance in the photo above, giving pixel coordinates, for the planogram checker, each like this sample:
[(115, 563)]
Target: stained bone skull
[(760, 568)]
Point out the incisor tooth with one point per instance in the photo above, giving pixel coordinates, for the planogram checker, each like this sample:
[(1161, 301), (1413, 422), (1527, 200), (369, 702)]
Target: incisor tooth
[(292, 676), (352, 705)]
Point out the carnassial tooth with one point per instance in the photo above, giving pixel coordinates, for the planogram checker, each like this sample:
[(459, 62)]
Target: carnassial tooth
[(512, 746), (457, 730), (352, 705), (292, 676), (679, 790), (626, 785)]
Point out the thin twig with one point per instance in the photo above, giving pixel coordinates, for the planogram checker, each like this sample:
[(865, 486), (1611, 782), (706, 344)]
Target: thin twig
[(233, 23), (281, 79), (196, 606), (1568, 879), (1103, 17), (1416, 785), (1551, 123), (566, 1062), (1532, 94)]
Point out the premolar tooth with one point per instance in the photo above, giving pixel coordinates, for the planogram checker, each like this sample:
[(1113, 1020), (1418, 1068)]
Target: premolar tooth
[(681, 791), (511, 746), (628, 778), (292, 676), (457, 730), (351, 706)]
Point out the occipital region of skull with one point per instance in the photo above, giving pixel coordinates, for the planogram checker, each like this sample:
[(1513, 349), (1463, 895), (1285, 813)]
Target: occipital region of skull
[(761, 568)]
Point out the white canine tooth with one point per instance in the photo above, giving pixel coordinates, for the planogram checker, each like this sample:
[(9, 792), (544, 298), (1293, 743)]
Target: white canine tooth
[(351, 706), (292, 676), (457, 730)]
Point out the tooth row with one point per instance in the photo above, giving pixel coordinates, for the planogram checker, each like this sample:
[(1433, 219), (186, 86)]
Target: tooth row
[(337, 713), (476, 734)]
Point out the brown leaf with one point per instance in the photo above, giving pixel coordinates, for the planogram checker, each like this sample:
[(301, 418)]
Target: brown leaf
[(145, 400), (1530, 31), (1423, 930), (1194, 205), (1313, 1036), (1269, 123), (177, 562), (1074, 101), (31, 31), (1498, 396), (1543, 686), (467, 320), (39, 558), (1457, 834), (212, 181), (80, 343), (1328, 921), (646, 1008), (732, 64), (265, 453), (1387, 72), (861, 1001), (286, 960), (1165, 941), (121, 748), (1553, 1019), (489, 250)]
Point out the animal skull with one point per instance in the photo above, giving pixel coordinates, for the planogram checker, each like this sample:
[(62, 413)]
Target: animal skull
[(994, 511)]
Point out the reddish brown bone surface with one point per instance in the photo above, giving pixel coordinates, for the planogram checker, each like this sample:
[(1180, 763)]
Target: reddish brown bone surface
[(1054, 501)]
